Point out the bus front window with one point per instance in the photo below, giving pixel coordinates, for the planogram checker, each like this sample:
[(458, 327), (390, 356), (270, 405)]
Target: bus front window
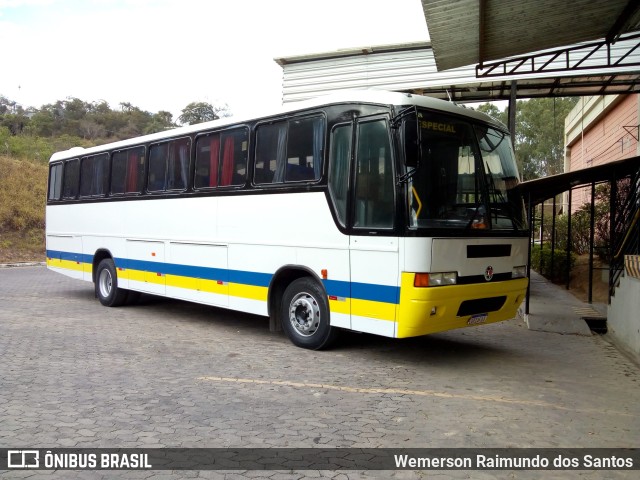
[(502, 177), (465, 177)]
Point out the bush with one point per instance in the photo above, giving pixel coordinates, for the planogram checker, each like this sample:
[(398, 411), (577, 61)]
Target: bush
[(541, 262), (579, 231)]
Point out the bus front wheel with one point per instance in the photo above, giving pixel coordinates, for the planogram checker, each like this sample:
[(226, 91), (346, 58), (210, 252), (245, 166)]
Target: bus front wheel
[(305, 315), (107, 289)]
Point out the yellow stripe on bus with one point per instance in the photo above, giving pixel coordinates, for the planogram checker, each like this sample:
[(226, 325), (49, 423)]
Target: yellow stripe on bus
[(67, 264), (198, 284), (363, 308), (343, 305), (248, 291), (372, 309)]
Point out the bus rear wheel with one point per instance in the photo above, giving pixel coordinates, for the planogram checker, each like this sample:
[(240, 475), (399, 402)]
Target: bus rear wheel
[(107, 289), (305, 315)]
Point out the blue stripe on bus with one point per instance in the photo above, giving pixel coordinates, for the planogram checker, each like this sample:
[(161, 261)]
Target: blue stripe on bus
[(71, 256), (377, 293), (337, 288), (250, 278), (208, 273), (192, 271), (362, 291)]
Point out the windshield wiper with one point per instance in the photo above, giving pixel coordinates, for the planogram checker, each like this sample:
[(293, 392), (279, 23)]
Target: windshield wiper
[(406, 177), (395, 121)]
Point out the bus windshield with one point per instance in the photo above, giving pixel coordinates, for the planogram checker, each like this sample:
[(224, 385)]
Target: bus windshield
[(465, 178)]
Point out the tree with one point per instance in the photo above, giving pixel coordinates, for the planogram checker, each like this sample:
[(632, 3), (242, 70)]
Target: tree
[(91, 123), (6, 105), (15, 122), (494, 112), (198, 112), (91, 130), (160, 122), (540, 135)]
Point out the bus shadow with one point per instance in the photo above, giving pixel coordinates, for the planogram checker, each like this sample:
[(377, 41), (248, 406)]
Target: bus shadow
[(196, 313), (455, 347), (450, 348)]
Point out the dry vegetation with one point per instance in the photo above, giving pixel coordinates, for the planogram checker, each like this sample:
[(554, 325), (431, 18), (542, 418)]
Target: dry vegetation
[(579, 285), (23, 187)]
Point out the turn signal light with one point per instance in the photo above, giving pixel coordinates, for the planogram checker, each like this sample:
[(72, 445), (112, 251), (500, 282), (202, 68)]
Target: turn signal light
[(421, 280), (435, 279)]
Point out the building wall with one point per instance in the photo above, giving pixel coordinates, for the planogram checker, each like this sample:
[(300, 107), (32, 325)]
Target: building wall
[(622, 316), (595, 134), (597, 131)]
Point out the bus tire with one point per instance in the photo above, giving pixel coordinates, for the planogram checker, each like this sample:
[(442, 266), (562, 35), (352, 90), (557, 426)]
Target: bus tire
[(106, 285), (305, 315)]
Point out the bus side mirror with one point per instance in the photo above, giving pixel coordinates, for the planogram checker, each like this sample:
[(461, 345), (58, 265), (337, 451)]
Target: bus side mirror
[(411, 140)]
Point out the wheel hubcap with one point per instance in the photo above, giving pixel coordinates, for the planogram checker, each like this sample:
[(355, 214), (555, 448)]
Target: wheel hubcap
[(304, 314), (105, 283)]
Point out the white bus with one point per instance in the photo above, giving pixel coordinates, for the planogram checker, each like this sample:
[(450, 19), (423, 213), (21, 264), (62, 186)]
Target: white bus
[(379, 212)]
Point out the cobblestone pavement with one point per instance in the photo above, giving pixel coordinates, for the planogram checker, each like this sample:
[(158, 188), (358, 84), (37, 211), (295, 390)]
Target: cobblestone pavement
[(172, 374)]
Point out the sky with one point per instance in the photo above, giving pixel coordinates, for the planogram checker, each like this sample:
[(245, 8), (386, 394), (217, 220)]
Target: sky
[(163, 54)]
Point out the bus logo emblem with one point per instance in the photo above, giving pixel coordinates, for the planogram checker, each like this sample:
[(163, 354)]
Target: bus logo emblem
[(488, 273)]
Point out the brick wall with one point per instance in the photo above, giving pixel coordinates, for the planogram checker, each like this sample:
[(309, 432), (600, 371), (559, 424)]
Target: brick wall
[(599, 136)]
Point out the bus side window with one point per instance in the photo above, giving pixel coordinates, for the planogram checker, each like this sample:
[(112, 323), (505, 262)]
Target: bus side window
[(71, 179), (178, 164), (233, 163), (169, 165), (207, 155), (55, 181), (127, 170), (270, 151), (118, 172), (374, 189), (157, 167), (339, 162), (221, 159), (305, 143), (290, 151), (94, 171)]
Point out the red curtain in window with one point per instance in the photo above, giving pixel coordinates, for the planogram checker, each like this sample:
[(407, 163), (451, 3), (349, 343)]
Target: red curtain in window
[(132, 173), (227, 161), (214, 154)]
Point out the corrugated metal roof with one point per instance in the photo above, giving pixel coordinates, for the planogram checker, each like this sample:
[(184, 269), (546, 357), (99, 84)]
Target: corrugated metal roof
[(412, 68), (466, 32)]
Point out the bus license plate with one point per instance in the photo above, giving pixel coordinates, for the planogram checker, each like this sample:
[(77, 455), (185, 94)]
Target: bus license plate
[(477, 319)]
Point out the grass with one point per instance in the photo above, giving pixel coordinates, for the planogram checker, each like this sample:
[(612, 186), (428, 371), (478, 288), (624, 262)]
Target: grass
[(23, 187)]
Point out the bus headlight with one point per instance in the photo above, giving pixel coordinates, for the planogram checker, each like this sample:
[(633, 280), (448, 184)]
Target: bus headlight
[(519, 272), (435, 279)]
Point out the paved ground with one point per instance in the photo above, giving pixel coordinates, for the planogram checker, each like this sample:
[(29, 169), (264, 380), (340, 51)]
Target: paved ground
[(173, 374)]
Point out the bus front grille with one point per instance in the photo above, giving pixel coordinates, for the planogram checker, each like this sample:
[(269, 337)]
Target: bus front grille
[(481, 305)]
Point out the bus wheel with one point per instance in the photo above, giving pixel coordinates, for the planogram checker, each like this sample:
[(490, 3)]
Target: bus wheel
[(305, 315), (107, 289)]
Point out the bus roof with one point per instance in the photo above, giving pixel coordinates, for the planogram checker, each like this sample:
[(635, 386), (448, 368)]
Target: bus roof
[(372, 96)]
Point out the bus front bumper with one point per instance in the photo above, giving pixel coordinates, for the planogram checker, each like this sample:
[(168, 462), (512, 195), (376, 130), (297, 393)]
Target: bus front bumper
[(425, 310)]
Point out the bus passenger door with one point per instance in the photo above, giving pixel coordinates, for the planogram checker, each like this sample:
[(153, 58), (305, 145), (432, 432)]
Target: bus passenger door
[(374, 256)]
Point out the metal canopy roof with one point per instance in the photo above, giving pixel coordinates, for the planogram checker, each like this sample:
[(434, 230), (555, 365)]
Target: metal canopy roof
[(474, 48), (466, 32), (538, 190), (412, 68)]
